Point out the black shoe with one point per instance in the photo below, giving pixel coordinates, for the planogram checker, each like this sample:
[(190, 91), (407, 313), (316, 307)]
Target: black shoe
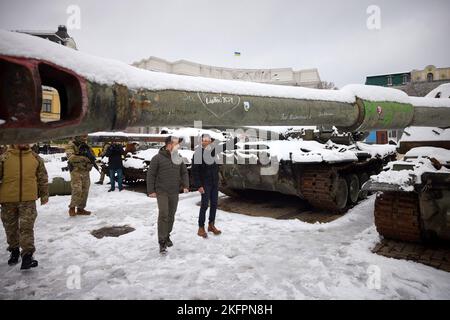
[(14, 257), (110, 190), (169, 242), (28, 262), (99, 182), (163, 248)]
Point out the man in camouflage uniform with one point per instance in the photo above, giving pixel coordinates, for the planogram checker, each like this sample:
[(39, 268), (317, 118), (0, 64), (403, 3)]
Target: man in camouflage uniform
[(23, 180), (79, 166), (104, 169)]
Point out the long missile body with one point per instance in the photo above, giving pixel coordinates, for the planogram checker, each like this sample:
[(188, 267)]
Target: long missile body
[(104, 95)]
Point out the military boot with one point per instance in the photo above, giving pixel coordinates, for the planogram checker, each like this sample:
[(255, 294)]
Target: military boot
[(28, 262), (213, 229), (72, 212), (14, 257), (202, 233), (82, 212)]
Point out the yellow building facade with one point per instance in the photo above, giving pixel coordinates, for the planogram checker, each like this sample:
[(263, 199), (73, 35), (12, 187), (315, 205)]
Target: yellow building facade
[(430, 73), (51, 107)]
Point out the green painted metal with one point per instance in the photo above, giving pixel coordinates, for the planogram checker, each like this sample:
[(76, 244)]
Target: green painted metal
[(386, 115)]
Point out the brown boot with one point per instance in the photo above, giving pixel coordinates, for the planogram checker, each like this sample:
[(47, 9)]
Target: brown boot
[(213, 229), (202, 233), (72, 212), (82, 212)]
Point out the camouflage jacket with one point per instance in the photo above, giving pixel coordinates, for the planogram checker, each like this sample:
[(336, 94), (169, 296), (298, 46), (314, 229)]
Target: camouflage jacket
[(76, 160)]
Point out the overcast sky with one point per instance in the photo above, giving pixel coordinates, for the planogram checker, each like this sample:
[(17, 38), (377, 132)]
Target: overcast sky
[(331, 36)]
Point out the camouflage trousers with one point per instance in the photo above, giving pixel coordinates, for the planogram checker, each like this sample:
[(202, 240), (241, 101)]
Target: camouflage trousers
[(80, 183), (18, 220)]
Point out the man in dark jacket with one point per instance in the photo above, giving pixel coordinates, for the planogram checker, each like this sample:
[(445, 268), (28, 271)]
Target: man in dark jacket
[(205, 172), (114, 154), (166, 176)]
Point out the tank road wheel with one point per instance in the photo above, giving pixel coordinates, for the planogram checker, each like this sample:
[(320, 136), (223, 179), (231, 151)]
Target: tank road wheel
[(340, 193), (353, 187), (397, 216), (363, 177)]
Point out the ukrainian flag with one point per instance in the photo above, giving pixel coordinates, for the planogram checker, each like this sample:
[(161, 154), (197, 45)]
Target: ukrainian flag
[(237, 54)]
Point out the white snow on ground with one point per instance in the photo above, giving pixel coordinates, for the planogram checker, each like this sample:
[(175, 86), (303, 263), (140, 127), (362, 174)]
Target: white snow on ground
[(254, 258), (108, 71), (440, 154)]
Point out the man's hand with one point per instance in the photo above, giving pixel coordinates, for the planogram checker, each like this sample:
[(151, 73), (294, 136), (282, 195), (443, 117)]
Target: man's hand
[(44, 202), (185, 190), (152, 195), (201, 190)]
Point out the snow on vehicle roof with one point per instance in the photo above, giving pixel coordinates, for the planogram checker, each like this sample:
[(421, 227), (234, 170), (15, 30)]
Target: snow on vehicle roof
[(406, 179), (440, 154), (138, 160), (425, 134), (441, 92), (109, 72), (299, 150), (186, 133)]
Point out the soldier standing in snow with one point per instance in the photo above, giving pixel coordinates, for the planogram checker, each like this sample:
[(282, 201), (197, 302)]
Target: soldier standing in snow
[(166, 176), (23, 179), (81, 159), (205, 171)]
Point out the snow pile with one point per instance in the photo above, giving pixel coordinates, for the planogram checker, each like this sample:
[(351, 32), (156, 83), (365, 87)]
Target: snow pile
[(302, 151), (312, 261), (440, 154), (377, 93), (141, 159), (377, 150), (187, 133), (108, 71), (415, 164), (425, 134), (441, 92), (54, 166)]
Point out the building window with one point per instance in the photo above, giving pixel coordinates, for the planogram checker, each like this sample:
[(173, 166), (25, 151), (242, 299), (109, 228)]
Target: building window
[(429, 77), (389, 80), (46, 105), (405, 78)]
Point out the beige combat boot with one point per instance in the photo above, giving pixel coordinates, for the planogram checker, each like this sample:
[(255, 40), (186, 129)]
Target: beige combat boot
[(82, 212), (72, 212), (202, 233)]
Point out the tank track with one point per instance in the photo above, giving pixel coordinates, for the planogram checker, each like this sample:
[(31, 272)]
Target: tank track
[(316, 185), (397, 216)]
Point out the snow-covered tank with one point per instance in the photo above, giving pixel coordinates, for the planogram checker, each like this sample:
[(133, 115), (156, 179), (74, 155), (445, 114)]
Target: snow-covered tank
[(326, 174), (413, 199)]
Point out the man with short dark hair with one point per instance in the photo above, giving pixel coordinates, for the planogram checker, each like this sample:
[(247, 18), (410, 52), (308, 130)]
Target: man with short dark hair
[(205, 171), (166, 176)]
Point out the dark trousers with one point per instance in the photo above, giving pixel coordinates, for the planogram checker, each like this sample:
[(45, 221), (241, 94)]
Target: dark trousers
[(167, 206), (112, 172), (210, 197)]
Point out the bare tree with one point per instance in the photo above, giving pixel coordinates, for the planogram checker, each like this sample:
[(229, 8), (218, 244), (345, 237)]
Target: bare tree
[(327, 85)]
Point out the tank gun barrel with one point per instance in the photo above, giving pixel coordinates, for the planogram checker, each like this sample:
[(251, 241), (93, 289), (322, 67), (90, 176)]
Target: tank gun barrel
[(104, 95)]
